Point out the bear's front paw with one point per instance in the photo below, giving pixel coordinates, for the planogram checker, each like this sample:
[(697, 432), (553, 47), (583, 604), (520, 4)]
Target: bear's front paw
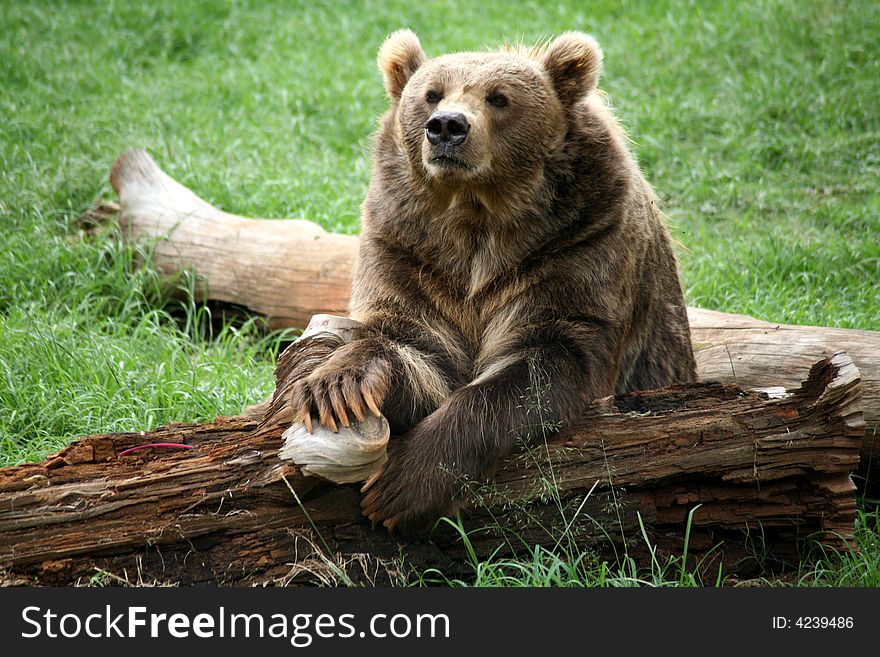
[(338, 389), (409, 494)]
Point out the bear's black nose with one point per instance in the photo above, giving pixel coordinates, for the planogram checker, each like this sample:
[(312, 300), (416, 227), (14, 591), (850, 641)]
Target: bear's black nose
[(447, 128)]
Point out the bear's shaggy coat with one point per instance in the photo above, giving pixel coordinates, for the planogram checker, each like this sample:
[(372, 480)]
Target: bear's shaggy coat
[(513, 267)]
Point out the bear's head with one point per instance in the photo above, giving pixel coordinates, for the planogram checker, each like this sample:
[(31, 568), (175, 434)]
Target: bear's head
[(485, 118)]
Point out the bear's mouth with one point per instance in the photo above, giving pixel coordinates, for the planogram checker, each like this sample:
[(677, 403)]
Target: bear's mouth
[(448, 161)]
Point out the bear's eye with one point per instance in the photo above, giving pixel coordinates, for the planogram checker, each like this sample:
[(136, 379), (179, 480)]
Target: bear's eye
[(433, 97), (497, 100)]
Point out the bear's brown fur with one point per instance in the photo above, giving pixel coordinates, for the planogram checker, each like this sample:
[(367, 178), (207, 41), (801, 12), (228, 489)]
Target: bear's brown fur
[(513, 267)]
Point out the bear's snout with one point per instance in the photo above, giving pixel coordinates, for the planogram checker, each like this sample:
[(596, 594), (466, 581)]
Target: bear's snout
[(447, 128)]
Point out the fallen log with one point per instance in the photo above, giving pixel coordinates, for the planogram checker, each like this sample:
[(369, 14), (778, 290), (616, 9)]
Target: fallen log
[(289, 270), (749, 479), (285, 269)]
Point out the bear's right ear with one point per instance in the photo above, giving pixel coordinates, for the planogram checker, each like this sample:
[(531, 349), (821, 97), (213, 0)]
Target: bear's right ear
[(574, 62), (399, 57)]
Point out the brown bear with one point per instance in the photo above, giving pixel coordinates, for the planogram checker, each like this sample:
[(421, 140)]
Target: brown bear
[(514, 266)]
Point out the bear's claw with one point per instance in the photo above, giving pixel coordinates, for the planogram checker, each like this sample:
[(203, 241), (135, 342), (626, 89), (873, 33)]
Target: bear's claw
[(337, 396)]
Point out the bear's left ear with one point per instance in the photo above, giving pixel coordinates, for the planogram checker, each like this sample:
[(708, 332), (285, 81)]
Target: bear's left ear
[(574, 62), (399, 57)]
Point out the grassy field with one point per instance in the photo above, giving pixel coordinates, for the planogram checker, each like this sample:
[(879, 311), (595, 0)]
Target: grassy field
[(757, 123)]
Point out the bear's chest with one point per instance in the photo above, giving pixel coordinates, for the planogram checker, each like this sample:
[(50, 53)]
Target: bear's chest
[(468, 260), (469, 285)]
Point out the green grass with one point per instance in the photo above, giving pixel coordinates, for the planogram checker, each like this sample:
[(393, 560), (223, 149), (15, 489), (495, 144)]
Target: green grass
[(860, 567), (756, 122)]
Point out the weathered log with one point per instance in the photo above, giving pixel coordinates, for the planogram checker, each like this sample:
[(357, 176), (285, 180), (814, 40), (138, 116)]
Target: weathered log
[(757, 477), (289, 270), (750, 352)]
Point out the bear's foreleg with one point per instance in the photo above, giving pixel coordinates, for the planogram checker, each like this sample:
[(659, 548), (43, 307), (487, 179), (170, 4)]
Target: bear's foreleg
[(527, 395), (405, 379)]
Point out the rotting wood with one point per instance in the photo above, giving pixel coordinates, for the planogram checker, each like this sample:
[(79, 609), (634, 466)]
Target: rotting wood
[(756, 476)]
